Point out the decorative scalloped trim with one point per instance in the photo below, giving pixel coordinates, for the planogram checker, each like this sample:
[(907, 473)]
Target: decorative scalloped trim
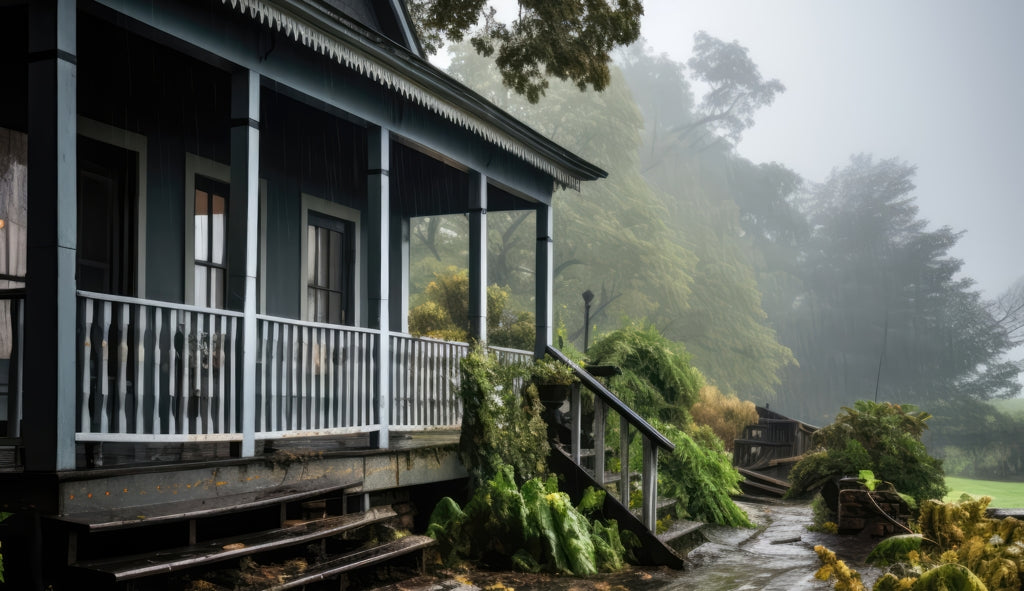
[(374, 70)]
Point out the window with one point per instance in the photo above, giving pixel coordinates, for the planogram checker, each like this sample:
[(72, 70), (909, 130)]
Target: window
[(210, 241), (330, 278), (329, 262), (111, 246)]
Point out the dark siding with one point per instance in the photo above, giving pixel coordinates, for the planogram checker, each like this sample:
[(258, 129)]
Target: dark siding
[(303, 150), (180, 105)]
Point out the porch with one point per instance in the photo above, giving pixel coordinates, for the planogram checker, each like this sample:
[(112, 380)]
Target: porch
[(160, 381)]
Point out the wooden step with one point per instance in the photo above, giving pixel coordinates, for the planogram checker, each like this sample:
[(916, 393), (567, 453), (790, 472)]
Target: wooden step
[(355, 560), (762, 478), (164, 561), (210, 506), (683, 536)]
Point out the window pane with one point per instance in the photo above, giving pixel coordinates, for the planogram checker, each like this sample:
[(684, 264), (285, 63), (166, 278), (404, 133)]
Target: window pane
[(321, 306), (336, 310), (217, 288), (219, 222), (310, 304), (202, 226), (201, 286), (336, 261), (323, 266), (311, 256)]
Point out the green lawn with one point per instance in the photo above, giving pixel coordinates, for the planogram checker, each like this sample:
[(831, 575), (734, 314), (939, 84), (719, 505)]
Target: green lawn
[(1004, 494)]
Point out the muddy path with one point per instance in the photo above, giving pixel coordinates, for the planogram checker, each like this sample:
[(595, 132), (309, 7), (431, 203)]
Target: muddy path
[(777, 555)]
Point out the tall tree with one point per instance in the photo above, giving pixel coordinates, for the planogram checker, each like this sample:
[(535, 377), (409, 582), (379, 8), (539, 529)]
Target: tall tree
[(717, 204), (611, 236), (885, 312), (565, 39)]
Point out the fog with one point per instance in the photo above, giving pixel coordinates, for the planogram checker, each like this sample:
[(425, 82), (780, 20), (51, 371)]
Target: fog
[(938, 84)]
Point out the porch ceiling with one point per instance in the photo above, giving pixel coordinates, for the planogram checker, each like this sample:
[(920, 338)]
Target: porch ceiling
[(395, 68)]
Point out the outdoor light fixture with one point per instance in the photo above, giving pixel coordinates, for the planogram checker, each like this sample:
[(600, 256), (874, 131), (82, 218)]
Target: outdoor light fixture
[(588, 296)]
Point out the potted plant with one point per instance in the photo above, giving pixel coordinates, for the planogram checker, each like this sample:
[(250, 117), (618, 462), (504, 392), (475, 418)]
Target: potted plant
[(554, 381)]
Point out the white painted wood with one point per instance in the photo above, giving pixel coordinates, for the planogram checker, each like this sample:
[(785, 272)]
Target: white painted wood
[(173, 360), (139, 383), (103, 377), (85, 416), (154, 386)]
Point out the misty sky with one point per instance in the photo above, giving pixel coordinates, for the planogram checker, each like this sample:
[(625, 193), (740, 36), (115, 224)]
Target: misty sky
[(936, 83)]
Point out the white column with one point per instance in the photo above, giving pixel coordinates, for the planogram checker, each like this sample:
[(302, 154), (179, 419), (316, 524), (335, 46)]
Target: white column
[(545, 267), (477, 256), (50, 388), (379, 226), (243, 214)]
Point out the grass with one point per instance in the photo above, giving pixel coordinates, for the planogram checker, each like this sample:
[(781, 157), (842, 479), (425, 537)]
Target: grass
[(1004, 494)]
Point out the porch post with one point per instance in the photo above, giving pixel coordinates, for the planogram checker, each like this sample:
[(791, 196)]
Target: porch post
[(243, 224), (477, 256), (50, 305), (545, 267), (379, 227)]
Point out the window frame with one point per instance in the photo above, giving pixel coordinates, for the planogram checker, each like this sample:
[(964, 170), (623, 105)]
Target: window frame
[(325, 208), (199, 166), (132, 142)]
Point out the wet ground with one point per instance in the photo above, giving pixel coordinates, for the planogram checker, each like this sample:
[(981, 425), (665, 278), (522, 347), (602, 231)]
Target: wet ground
[(777, 555)]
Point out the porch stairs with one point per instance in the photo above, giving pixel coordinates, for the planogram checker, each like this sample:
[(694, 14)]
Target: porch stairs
[(581, 467), (290, 536)]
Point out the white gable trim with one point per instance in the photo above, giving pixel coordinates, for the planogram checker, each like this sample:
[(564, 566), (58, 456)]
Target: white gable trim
[(371, 68)]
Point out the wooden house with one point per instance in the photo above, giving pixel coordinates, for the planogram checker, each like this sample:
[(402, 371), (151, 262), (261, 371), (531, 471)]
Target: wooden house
[(204, 240)]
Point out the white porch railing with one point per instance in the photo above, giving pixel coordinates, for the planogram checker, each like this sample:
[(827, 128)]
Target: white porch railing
[(153, 371), (425, 381), (314, 379)]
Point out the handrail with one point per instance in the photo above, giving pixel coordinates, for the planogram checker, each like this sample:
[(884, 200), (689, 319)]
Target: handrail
[(613, 401)]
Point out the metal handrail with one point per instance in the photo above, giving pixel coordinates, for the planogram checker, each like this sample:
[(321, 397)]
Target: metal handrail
[(613, 401)]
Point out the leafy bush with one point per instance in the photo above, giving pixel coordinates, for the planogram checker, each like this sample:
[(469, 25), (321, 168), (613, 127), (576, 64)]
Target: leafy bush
[(699, 474), (657, 378), (445, 313), (958, 548), (532, 528), (501, 421), (726, 415), (882, 437)]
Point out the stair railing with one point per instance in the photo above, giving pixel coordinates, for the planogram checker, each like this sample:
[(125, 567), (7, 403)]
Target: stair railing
[(604, 402)]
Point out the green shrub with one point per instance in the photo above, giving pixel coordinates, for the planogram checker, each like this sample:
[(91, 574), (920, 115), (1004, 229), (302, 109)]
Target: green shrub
[(445, 313), (531, 528), (657, 379), (501, 421), (726, 414), (882, 437)]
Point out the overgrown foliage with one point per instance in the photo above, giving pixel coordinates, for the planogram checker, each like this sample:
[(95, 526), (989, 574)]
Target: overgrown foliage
[(699, 475), (445, 313), (958, 548), (725, 414), (532, 528), (881, 437), (657, 379), (501, 421), (659, 383)]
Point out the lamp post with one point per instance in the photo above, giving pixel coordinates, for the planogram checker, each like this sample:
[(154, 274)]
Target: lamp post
[(588, 296)]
